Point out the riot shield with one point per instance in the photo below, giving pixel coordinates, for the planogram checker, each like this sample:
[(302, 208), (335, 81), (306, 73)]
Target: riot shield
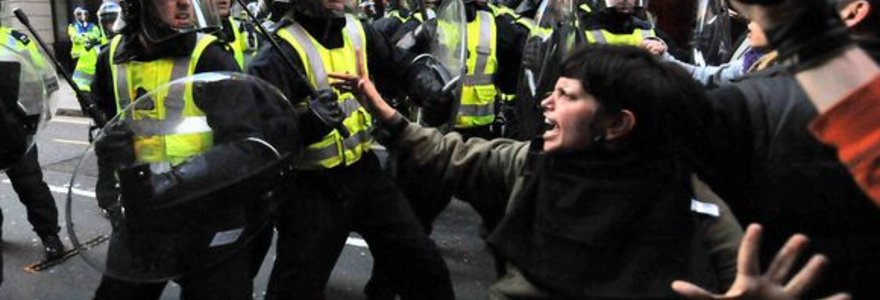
[(554, 37), (179, 191), (448, 49), (711, 40), (24, 103)]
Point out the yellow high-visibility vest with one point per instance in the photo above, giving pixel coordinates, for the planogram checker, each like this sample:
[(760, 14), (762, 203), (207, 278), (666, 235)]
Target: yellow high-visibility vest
[(604, 37), (78, 41), (153, 142), (478, 94), (238, 44), (84, 73), (28, 51), (318, 61)]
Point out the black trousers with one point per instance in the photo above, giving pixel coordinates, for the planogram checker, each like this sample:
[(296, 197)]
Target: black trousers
[(230, 280), (324, 206), (27, 181), (232, 277)]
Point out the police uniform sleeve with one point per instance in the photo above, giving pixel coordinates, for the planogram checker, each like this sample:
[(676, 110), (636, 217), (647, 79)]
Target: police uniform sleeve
[(102, 86), (511, 40), (385, 62), (250, 131), (270, 66)]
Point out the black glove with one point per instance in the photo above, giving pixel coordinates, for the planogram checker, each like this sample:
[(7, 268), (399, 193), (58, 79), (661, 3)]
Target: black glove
[(116, 147), (428, 87), (533, 53), (808, 33), (325, 106)]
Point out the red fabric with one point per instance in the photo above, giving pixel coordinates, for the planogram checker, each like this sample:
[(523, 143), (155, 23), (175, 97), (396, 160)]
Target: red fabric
[(853, 126)]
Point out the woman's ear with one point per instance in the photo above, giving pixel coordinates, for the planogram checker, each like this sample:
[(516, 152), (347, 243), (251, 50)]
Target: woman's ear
[(620, 125), (855, 12)]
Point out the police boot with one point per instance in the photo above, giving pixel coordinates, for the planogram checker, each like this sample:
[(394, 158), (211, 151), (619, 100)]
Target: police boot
[(52, 246)]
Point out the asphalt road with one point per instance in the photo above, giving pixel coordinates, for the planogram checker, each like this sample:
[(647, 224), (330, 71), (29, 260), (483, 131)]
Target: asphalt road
[(61, 145)]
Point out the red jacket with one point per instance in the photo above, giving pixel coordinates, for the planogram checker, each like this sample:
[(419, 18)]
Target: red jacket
[(853, 126)]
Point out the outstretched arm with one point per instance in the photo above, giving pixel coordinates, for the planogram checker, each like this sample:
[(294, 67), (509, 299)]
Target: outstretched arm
[(478, 170), (751, 284)]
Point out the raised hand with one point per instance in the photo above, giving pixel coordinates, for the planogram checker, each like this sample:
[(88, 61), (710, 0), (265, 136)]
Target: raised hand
[(363, 88), (751, 284)]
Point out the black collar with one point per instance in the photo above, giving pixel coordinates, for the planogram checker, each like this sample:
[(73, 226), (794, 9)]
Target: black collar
[(131, 49)]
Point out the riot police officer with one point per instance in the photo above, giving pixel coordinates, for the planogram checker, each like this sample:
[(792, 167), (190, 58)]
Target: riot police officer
[(82, 33), (161, 42), (339, 185), (84, 72), (232, 32), (615, 22), (26, 174)]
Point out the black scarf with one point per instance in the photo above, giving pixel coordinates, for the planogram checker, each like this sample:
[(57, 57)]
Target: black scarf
[(601, 225)]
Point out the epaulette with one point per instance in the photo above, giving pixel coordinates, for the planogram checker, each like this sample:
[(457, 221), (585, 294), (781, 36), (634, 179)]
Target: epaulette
[(21, 37)]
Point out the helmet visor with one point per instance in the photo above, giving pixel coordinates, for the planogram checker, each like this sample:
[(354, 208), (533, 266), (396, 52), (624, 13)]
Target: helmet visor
[(169, 18), (621, 3)]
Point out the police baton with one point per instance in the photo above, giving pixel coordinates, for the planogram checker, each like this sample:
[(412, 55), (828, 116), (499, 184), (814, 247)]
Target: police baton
[(343, 131), (88, 106)]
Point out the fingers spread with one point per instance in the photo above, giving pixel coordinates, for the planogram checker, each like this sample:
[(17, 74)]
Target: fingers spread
[(785, 258), (747, 262), (691, 291), (804, 279)]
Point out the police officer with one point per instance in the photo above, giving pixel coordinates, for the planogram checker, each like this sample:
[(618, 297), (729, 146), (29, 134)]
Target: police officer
[(494, 47), (157, 44), (82, 33), (233, 32), (26, 175), (340, 186), (616, 22), (84, 72)]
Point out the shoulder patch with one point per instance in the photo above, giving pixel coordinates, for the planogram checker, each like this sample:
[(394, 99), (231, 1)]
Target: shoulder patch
[(21, 37)]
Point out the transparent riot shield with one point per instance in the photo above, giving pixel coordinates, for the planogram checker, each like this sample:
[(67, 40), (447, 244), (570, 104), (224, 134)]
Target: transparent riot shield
[(711, 40), (448, 49), (166, 190), (554, 37), (24, 103)]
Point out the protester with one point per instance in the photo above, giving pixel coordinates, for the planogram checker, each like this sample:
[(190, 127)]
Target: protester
[(597, 208), (760, 158)]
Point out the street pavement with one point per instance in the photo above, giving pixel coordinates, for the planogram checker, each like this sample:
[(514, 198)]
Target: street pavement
[(61, 145)]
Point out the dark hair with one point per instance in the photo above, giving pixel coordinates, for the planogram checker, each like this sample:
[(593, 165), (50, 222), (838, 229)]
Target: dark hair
[(670, 107)]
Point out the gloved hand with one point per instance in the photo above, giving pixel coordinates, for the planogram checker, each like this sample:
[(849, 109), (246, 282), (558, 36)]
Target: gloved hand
[(325, 106), (426, 87), (116, 147), (416, 38), (533, 52), (805, 32)]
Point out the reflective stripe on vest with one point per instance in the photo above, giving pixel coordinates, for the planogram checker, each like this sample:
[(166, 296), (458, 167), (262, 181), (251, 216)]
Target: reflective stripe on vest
[(333, 150), (478, 96), (238, 44), (603, 37), (170, 128)]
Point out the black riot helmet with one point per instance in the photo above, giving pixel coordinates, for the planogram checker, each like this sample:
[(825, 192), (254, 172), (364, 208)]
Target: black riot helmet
[(161, 20), (108, 13), (315, 8)]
